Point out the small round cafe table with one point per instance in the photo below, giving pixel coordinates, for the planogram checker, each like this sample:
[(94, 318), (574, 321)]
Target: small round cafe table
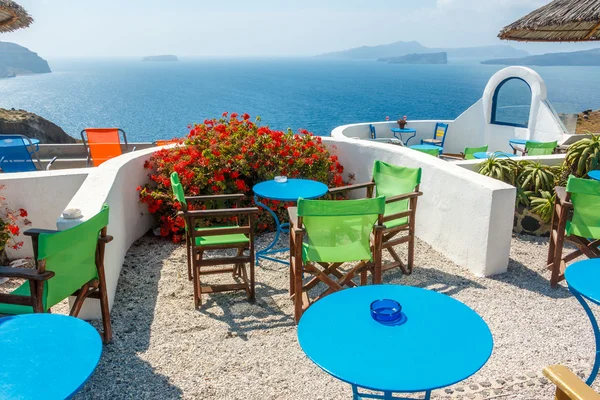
[(441, 343), (46, 356), (583, 278), (487, 154), (595, 174), (291, 190), (405, 130)]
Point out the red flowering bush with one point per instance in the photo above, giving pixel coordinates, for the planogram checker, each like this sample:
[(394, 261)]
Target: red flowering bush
[(231, 155), (11, 222)]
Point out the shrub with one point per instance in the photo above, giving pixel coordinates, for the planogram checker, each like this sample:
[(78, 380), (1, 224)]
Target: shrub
[(231, 155), (11, 222)]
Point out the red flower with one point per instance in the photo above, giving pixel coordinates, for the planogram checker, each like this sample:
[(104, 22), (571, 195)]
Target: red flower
[(246, 117), (22, 212), (14, 229), (234, 174), (241, 185)]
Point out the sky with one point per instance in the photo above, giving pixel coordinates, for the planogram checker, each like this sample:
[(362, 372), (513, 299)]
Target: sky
[(271, 28)]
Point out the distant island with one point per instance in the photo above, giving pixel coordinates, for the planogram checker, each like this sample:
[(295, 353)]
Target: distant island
[(575, 58), (398, 49), (427, 58), (18, 60), (166, 57)]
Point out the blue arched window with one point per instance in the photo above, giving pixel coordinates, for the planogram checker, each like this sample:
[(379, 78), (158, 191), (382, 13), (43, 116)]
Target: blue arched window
[(511, 103)]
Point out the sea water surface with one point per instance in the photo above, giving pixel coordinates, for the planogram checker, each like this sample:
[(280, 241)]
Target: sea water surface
[(154, 100)]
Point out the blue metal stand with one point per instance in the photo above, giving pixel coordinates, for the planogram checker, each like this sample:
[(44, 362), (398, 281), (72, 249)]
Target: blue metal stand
[(401, 131), (356, 395), (594, 323), (280, 228)]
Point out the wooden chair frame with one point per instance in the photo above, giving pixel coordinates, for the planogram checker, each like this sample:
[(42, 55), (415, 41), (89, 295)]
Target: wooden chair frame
[(95, 289), (568, 385), (198, 265), (328, 273), (557, 263), (389, 239)]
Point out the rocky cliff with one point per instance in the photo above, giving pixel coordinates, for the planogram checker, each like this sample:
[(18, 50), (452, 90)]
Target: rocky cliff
[(18, 60), (427, 58), (25, 123)]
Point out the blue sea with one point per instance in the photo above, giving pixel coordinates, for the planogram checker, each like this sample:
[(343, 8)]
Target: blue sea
[(159, 100)]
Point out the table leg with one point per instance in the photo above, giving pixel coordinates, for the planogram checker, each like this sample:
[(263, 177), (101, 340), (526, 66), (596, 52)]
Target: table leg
[(594, 323), (264, 253)]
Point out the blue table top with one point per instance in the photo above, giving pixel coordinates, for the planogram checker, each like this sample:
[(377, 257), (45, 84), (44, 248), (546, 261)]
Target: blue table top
[(584, 277), (488, 154), (595, 174), (47, 356), (291, 190), (405, 130), (14, 142), (425, 147), (443, 341), (519, 141)]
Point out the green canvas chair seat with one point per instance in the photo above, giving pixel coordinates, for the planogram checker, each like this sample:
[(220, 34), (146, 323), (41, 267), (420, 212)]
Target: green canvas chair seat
[(336, 232), (540, 148), (220, 239), (202, 239), (470, 151), (576, 219), (73, 260)]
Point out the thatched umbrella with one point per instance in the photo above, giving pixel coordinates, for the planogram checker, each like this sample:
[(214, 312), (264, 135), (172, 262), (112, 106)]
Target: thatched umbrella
[(558, 21), (13, 16)]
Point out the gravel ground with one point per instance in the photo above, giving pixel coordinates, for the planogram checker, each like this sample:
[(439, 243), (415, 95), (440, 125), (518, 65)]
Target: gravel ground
[(230, 349)]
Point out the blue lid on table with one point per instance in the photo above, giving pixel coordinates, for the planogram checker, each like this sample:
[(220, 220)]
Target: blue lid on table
[(291, 190), (444, 341)]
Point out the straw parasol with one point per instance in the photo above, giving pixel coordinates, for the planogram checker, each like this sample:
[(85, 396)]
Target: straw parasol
[(558, 21), (13, 16)]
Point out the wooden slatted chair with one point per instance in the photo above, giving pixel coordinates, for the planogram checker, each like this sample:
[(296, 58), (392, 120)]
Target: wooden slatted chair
[(201, 240), (568, 385), (439, 136), (576, 219), (67, 263), (400, 186), (337, 232)]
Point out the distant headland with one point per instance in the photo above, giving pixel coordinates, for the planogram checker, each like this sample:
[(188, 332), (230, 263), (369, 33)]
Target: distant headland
[(426, 58), (165, 57), (18, 60), (575, 58)]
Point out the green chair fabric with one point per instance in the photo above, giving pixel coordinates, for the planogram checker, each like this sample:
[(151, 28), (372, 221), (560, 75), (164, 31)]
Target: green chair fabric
[(216, 240), (71, 255), (470, 151), (540, 148), (585, 196), (393, 180), (339, 231)]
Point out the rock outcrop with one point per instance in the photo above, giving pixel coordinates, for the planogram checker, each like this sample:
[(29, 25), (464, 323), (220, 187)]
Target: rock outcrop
[(427, 58), (25, 123), (18, 60)]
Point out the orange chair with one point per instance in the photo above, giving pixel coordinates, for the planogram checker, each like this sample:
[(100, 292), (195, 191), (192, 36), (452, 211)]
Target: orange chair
[(159, 143), (102, 144)]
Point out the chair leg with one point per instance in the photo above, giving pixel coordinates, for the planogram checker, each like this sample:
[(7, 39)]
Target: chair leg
[(557, 260), (297, 290), (411, 252), (105, 310), (189, 258), (252, 296)]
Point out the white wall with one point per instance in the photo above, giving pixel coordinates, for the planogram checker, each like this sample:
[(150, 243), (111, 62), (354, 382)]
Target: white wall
[(463, 215), (114, 183), (44, 194)]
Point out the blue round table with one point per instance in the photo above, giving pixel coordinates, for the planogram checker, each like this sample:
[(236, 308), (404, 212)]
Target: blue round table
[(46, 356), (583, 278), (405, 130), (595, 174), (291, 190), (442, 342), (518, 142), (487, 154)]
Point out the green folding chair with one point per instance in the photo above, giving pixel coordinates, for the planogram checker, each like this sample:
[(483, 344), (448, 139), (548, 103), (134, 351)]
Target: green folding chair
[(200, 240), (540, 148), (67, 263), (336, 232), (470, 151), (576, 219), (400, 186)]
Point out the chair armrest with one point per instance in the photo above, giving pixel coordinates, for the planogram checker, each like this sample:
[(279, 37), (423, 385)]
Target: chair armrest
[(134, 148), (293, 215), (105, 239), (236, 196), (561, 196), (404, 196), (569, 383), (444, 156), (351, 187), (225, 212), (36, 232), (50, 163), (25, 273)]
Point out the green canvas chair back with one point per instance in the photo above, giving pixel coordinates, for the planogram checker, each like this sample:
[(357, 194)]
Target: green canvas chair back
[(540, 148), (177, 189), (339, 230), (470, 151), (393, 180), (585, 196)]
